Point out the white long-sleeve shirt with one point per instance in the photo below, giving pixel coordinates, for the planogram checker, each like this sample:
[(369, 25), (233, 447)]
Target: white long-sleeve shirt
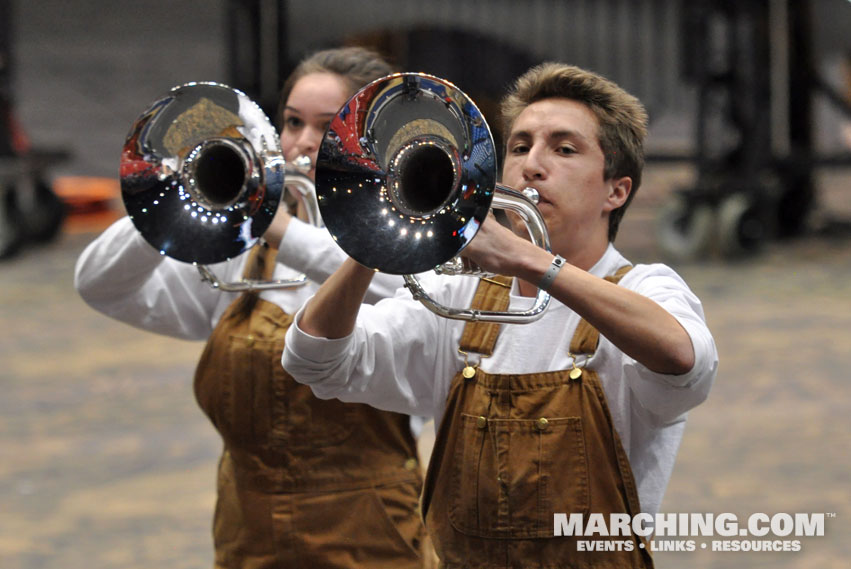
[(401, 357), (122, 276)]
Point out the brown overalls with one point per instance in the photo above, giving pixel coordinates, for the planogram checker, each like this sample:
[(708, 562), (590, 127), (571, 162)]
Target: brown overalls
[(302, 482), (512, 450)]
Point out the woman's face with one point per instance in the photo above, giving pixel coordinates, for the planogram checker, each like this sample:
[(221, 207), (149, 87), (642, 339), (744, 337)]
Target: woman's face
[(312, 103)]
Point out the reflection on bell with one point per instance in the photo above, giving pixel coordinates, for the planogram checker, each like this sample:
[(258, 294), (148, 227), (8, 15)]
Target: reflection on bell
[(409, 162), (202, 173), (406, 175)]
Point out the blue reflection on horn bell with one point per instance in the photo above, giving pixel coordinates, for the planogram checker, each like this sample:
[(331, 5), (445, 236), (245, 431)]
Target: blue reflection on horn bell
[(415, 122)]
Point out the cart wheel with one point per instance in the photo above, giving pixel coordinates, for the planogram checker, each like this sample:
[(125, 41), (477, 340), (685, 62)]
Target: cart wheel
[(684, 230), (741, 227), (44, 219), (793, 209), (11, 231)]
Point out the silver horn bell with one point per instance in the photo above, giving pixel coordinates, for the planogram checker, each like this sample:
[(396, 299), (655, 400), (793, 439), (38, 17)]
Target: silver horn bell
[(202, 173), (405, 176)]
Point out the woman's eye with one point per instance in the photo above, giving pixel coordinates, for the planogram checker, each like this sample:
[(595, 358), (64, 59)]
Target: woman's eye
[(292, 122)]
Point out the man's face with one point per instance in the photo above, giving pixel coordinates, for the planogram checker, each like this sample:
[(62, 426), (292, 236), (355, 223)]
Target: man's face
[(554, 147)]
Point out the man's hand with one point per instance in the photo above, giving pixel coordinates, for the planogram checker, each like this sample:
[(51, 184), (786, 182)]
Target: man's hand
[(497, 249), (635, 324)]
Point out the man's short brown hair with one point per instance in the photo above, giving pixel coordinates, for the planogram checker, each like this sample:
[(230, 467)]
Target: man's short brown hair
[(621, 116)]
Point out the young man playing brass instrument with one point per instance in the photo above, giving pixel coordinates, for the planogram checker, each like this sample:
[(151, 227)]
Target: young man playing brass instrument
[(581, 411)]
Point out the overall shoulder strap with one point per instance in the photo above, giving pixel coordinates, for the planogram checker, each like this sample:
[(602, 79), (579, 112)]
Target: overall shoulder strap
[(260, 263), (491, 294)]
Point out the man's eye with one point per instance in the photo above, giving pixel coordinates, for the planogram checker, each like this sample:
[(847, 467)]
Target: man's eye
[(519, 149), (566, 150)]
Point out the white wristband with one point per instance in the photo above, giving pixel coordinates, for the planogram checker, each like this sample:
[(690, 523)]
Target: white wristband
[(547, 280)]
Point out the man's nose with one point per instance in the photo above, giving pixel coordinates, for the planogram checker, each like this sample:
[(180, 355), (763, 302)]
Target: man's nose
[(533, 165)]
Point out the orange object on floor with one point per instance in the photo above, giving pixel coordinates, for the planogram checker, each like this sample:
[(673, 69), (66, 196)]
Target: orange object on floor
[(93, 202)]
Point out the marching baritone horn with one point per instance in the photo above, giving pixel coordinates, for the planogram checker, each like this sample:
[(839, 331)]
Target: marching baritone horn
[(202, 175), (405, 176)]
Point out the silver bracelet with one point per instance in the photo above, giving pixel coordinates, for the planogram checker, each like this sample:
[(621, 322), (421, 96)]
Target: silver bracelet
[(547, 280)]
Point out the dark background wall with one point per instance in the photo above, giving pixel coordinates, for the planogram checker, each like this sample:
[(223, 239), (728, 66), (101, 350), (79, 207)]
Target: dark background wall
[(82, 71)]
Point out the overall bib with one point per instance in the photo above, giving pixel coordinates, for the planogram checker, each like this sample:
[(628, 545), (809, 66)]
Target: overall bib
[(512, 450), (302, 482)]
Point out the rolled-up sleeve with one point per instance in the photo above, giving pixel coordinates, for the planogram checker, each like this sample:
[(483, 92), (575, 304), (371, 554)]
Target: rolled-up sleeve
[(386, 362), (669, 396), (321, 363), (123, 277)]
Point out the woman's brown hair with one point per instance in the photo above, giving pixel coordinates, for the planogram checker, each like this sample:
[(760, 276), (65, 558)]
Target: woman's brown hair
[(357, 66)]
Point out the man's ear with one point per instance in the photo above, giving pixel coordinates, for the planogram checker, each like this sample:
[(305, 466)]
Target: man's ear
[(619, 189)]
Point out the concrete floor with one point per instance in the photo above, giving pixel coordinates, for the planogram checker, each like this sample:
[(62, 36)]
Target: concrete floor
[(106, 462)]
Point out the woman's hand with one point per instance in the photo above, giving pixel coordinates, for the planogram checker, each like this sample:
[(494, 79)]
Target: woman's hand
[(278, 227)]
